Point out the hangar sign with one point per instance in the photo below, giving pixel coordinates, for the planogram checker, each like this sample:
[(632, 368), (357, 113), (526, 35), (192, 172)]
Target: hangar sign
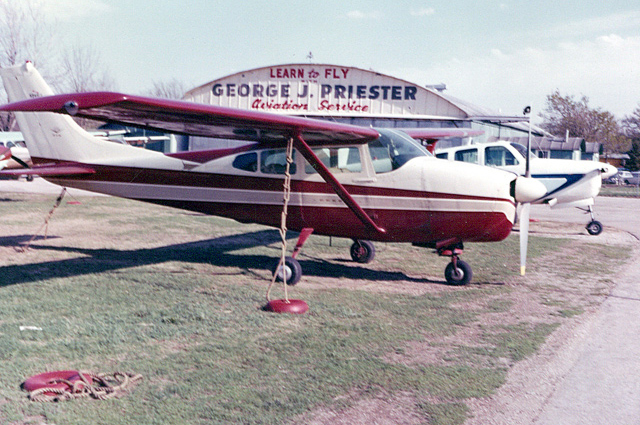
[(311, 89)]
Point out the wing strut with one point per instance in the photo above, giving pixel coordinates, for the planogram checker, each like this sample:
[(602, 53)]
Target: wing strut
[(328, 177)]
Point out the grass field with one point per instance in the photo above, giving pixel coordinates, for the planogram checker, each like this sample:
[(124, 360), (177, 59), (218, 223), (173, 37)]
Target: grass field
[(177, 297), (624, 191)]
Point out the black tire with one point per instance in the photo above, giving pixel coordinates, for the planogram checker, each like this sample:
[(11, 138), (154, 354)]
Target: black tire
[(594, 228), (292, 270), (362, 252), (460, 275)]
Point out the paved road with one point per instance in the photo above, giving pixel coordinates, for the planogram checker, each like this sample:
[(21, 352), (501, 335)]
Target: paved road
[(599, 382), (622, 213)]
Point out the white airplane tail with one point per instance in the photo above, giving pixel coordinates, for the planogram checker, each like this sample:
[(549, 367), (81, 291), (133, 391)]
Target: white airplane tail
[(51, 136)]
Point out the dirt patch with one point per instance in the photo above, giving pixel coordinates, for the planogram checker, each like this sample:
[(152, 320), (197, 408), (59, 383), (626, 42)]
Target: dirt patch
[(383, 409)]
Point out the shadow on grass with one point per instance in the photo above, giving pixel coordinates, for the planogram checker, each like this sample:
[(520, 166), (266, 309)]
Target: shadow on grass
[(217, 252)]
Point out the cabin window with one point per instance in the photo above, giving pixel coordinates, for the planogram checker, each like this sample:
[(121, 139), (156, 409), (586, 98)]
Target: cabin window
[(499, 156), (443, 155), (274, 161), (467, 155), (393, 149), (246, 162), (337, 160)]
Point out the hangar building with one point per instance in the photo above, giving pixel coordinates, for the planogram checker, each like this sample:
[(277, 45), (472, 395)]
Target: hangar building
[(347, 95), (359, 97)]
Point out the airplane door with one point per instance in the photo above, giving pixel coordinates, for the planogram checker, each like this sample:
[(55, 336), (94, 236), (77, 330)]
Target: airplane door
[(321, 206)]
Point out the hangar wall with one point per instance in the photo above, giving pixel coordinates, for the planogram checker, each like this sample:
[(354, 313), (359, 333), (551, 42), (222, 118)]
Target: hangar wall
[(325, 91), (343, 94)]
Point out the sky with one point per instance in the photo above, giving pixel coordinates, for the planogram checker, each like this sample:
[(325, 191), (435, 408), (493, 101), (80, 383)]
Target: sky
[(499, 54)]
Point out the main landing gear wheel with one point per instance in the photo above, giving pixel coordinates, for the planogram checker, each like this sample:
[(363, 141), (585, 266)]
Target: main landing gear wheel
[(362, 252), (594, 228), (458, 273), (291, 271)]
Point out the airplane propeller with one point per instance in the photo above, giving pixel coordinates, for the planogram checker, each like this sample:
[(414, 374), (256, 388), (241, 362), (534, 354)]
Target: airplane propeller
[(526, 206)]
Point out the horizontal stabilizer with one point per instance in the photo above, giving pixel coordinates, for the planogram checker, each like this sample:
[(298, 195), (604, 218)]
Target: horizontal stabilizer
[(49, 171)]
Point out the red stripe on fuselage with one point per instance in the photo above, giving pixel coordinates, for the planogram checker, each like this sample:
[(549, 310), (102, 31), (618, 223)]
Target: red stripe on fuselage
[(402, 225)]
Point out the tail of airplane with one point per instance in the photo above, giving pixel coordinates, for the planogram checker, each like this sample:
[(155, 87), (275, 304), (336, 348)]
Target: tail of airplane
[(51, 136)]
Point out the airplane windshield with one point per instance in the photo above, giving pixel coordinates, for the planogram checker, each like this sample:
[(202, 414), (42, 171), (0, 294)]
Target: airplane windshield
[(522, 150), (393, 149)]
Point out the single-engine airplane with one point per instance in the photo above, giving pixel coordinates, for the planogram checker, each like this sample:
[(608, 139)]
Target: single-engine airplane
[(568, 183), (19, 157), (346, 181)]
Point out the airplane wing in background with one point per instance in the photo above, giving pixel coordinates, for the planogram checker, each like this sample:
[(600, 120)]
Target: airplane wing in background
[(435, 134), (195, 119), (431, 136)]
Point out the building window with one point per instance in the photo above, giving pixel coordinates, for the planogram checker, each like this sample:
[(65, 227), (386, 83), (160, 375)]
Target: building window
[(561, 154)]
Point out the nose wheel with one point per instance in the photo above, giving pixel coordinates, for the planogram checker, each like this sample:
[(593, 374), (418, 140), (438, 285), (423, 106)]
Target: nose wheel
[(594, 227), (457, 272)]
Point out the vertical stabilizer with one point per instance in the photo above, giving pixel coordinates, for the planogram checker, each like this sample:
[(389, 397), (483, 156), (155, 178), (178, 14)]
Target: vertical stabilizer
[(51, 136)]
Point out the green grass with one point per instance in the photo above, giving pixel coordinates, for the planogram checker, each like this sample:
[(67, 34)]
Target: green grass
[(177, 297), (620, 191)]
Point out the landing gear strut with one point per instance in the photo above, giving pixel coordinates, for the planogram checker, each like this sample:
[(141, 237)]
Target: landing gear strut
[(291, 271), (457, 272), (594, 227)]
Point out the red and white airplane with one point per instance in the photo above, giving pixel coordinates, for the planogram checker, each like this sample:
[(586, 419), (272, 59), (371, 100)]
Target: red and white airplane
[(346, 181)]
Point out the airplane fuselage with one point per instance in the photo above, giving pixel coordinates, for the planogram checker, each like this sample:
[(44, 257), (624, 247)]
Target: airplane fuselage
[(412, 202), (568, 182)]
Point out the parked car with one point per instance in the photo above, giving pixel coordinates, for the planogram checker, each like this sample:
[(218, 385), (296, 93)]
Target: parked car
[(621, 177), (635, 178)]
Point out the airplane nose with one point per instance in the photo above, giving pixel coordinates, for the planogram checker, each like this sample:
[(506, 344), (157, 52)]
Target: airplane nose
[(528, 189), (608, 170)]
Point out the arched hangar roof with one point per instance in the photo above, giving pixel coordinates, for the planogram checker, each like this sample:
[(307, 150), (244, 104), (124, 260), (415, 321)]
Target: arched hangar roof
[(325, 90)]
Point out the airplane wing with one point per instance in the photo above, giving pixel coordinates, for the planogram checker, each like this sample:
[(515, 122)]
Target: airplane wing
[(431, 136), (435, 134), (212, 121), (195, 119)]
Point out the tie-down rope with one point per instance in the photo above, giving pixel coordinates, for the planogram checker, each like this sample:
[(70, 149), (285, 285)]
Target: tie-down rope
[(283, 224)]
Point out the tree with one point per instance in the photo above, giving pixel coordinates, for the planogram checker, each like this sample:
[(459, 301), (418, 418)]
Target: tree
[(564, 113), (631, 126), (25, 34), (84, 71), (172, 89)]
